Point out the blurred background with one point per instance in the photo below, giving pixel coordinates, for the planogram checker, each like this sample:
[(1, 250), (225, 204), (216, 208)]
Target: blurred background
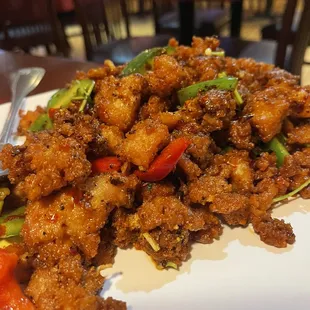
[(274, 31)]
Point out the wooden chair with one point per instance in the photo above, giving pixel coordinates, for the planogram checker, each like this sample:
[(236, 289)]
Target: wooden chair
[(30, 23), (280, 53), (106, 31), (209, 19)]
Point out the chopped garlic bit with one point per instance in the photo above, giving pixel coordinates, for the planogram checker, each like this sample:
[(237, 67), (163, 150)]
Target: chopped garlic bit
[(208, 51)]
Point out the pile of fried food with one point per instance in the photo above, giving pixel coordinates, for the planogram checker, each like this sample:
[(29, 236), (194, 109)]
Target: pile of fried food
[(156, 155)]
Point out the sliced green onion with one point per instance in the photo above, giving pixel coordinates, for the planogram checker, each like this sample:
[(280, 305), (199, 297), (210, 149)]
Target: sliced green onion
[(224, 83), (155, 246), (209, 52), (294, 192), (171, 265), (140, 62), (238, 97), (279, 149)]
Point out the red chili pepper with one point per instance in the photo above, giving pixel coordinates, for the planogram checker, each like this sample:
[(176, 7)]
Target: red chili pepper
[(106, 164), (165, 162), (11, 295), (51, 113)]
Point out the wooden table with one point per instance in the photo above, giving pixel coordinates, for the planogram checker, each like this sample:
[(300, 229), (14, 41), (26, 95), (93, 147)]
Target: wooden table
[(186, 15), (59, 71)]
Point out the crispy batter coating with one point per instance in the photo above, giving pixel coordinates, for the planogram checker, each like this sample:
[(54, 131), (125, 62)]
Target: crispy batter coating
[(240, 132), (274, 232), (118, 100), (227, 175), (233, 207), (300, 134), (113, 137), (269, 107), (204, 189), (143, 142), (68, 286), (47, 162), (166, 77)]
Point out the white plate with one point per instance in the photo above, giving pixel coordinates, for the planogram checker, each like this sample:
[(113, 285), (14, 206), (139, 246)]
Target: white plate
[(237, 272)]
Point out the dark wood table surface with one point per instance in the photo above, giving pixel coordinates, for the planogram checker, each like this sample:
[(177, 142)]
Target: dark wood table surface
[(59, 71)]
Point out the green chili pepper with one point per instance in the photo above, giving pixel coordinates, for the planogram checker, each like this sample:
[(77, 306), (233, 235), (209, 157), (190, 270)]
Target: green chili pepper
[(11, 223), (79, 90), (279, 149), (63, 97), (294, 192), (224, 83), (42, 122), (140, 62)]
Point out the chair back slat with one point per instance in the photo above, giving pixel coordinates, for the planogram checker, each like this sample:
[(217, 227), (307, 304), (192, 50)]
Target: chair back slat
[(302, 40), (102, 21), (283, 39), (28, 23)]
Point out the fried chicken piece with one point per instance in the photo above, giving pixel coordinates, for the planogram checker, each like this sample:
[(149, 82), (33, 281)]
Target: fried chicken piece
[(301, 106), (242, 174), (273, 231), (82, 127), (300, 134), (265, 166), (64, 214), (191, 170), (211, 230), (166, 77), (143, 142), (202, 146), (154, 106), (126, 228), (113, 137), (269, 108), (45, 163), (233, 207), (261, 201), (152, 190), (204, 189), (118, 100), (174, 246), (240, 134), (168, 212), (219, 107), (68, 286)]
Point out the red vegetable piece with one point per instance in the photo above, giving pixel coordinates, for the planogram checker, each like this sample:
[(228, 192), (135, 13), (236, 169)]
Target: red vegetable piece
[(51, 113), (165, 162), (11, 295), (106, 164)]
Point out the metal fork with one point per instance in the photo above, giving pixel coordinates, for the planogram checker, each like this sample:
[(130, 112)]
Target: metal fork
[(22, 83)]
